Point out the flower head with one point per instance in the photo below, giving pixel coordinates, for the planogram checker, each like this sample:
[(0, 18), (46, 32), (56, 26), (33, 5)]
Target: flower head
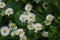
[(22, 18), (32, 16), (2, 4), (31, 27), (5, 31), (20, 32), (9, 11), (14, 33), (45, 34), (23, 38), (47, 22), (28, 7), (38, 26), (49, 17), (12, 26)]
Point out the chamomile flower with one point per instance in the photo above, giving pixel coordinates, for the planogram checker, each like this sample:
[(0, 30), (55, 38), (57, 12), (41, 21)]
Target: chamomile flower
[(38, 26), (5, 31), (9, 11), (37, 1), (45, 34), (30, 27), (27, 13), (47, 22), (49, 17), (30, 21), (2, 4), (22, 18), (12, 26), (32, 16), (28, 7), (21, 32), (14, 33), (23, 38)]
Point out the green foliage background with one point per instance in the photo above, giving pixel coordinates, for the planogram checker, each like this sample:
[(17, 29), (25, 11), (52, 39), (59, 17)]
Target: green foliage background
[(53, 7)]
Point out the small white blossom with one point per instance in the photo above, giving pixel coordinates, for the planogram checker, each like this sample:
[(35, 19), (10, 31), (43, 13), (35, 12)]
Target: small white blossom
[(2, 4), (22, 18), (47, 22), (30, 27), (27, 13), (38, 26), (9, 11), (5, 31), (12, 26), (28, 7), (31, 21), (14, 33), (49, 17), (45, 34), (32, 16), (21, 32), (23, 38)]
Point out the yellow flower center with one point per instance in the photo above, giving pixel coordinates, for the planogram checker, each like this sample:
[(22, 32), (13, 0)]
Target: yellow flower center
[(13, 26), (49, 17), (23, 18), (26, 13), (23, 38), (31, 26), (38, 27), (31, 17), (47, 22), (28, 7), (14, 33), (5, 31), (20, 32), (1, 4), (9, 11)]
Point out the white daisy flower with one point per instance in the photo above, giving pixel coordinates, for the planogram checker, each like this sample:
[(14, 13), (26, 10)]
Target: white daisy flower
[(22, 18), (47, 22), (30, 21), (12, 26), (5, 31), (38, 26), (45, 34), (27, 13), (49, 17), (14, 33), (23, 38), (2, 4), (37, 1), (21, 32), (32, 16), (28, 7), (9, 11), (31, 27)]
